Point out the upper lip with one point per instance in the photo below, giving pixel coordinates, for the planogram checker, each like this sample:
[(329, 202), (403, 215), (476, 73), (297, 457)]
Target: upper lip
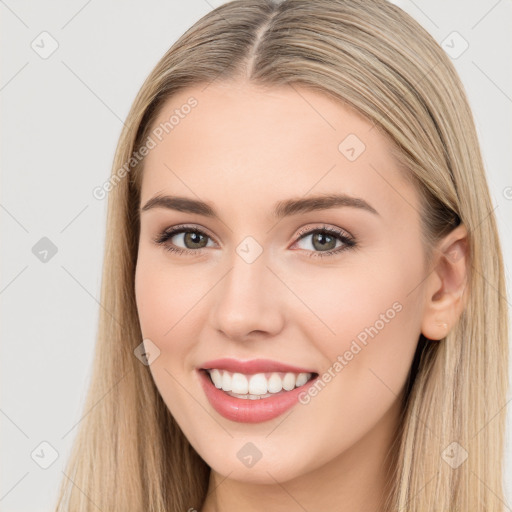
[(252, 366)]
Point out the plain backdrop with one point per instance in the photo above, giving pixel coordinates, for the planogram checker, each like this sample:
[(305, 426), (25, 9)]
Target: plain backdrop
[(70, 71)]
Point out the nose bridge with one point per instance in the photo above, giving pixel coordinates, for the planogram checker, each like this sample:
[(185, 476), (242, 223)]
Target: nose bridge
[(246, 285), (246, 299)]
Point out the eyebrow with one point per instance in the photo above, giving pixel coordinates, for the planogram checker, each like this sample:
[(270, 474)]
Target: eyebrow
[(281, 209)]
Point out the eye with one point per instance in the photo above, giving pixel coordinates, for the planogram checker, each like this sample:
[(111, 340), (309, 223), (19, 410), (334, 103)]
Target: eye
[(195, 239), (324, 239)]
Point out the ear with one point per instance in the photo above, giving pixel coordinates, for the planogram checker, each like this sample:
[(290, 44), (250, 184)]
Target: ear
[(445, 286)]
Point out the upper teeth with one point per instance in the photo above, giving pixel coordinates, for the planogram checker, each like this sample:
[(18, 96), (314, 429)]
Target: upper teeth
[(258, 383)]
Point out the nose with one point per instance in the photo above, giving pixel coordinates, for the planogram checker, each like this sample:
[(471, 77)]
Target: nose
[(248, 301)]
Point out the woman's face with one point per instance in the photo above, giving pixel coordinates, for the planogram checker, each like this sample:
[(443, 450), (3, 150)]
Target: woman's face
[(259, 277)]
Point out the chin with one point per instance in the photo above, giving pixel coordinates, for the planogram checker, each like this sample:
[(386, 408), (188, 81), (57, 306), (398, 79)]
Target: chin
[(265, 470)]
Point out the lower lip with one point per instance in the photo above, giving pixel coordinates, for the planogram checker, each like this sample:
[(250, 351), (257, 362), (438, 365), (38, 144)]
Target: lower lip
[(245, 410)]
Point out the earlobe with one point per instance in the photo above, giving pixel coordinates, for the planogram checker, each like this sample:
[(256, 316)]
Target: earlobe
[(445, 287)]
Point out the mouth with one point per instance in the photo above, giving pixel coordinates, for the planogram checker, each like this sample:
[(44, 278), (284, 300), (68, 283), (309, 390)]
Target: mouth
[(253, 398), (258, 385)]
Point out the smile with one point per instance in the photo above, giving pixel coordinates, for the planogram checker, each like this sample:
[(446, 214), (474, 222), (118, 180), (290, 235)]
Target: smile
[(253, 397), (258, 385)]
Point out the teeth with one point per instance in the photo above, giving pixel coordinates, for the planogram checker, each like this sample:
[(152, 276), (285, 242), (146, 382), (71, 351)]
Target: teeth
[(226, 381), (239, 384), (302, 378), (275, 383), (258, 385), (289, 381), (216, 378)]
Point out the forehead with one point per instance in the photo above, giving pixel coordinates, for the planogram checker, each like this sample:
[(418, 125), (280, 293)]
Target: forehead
[(239, 145)]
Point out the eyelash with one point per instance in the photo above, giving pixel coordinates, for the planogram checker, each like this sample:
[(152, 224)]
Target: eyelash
[(348, 241)]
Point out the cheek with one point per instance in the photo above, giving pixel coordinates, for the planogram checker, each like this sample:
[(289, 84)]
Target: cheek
[(373, 319), (163, 296), (370, 317), (153, 306), (160, 306), (172, 310), (164, 300)]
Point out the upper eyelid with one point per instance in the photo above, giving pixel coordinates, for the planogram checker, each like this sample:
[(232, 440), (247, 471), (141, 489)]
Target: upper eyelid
[(335, 230), (303, 232), (180, 228)]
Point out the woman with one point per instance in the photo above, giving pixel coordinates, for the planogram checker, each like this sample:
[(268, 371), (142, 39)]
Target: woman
[(303, 290)]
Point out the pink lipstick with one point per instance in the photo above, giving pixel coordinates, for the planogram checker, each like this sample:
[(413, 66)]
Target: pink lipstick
[(255, 408)]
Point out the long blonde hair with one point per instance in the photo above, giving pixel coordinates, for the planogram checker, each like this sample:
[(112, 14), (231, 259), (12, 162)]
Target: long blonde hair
[(129, 454)]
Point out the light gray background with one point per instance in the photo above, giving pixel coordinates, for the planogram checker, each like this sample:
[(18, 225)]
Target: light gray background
[(61, 118)]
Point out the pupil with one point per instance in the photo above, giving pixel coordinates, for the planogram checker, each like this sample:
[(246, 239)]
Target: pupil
[(193, 237), (321, 239)]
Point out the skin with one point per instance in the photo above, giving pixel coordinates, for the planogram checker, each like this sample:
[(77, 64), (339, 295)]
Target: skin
[(242, 149)]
